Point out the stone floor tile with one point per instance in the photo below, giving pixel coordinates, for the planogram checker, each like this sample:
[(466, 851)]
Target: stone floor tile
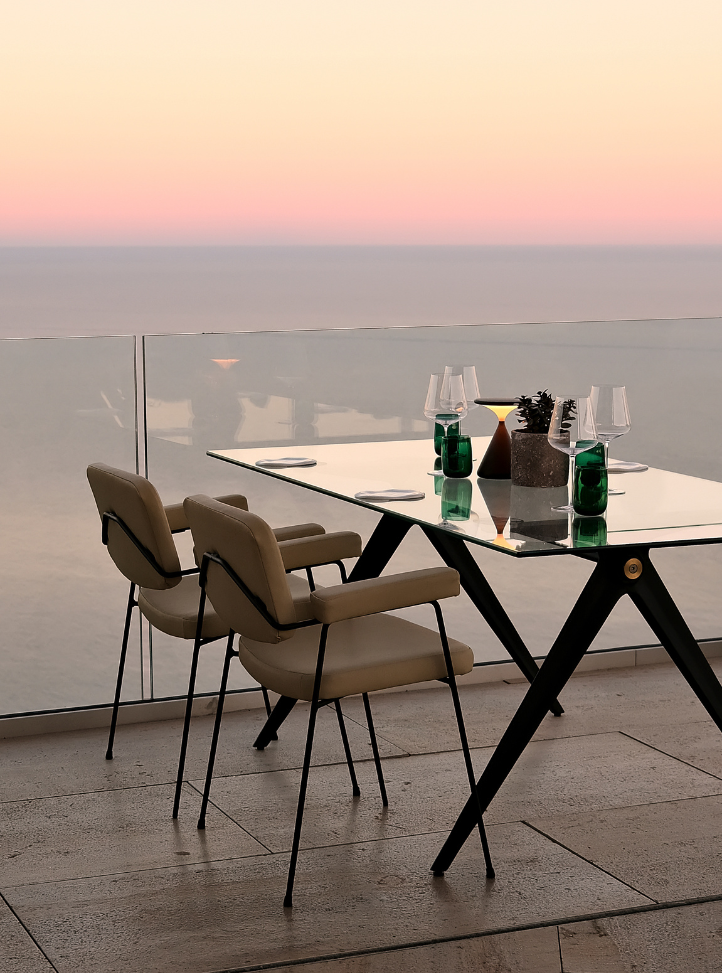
[(527, 951), (18, 953), (587, 947), (147, 753), (679, 940), (424, 722), (594, 702), (426, 792), (699, 744), (57, 838), (667, 851), (226, 915)]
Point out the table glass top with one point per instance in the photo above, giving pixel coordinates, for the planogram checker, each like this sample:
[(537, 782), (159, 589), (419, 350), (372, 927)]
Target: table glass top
[(658, 508)]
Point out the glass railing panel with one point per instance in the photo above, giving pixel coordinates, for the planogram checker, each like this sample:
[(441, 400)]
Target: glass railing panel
[(66, 402), (293, 388)]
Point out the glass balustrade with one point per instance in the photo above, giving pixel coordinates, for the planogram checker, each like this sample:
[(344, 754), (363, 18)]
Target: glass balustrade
[(65, 402), (69, 401)]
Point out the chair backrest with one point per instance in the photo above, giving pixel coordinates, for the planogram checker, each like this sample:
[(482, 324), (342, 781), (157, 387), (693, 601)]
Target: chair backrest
[(247, 544), (135, 501)]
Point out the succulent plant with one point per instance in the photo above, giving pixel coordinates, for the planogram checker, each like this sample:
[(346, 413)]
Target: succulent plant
[(535, 412)]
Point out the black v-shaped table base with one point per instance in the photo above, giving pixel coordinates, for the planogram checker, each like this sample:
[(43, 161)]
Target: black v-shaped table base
[(385, 540), (618, 572)]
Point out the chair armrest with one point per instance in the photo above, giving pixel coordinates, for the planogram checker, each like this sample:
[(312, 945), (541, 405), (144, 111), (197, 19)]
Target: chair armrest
[(234, 500), (177, 520), (307, 552), (298, 530), (376, 595)]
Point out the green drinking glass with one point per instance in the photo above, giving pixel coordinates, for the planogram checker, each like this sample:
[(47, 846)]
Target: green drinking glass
[(589, 532), (456, 460), (455, 500), (591, 481)]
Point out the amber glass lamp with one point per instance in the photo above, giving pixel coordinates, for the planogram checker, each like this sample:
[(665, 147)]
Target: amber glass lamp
[(496, 463)]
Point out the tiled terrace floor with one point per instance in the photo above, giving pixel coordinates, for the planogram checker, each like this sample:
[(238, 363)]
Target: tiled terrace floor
[(607, 841)]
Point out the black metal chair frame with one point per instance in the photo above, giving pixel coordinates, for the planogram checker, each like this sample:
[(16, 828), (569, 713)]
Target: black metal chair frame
[(133, 603), (316, 702), (197, 645)]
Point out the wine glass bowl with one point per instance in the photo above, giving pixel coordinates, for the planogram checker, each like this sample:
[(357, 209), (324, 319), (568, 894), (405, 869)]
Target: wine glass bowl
[(572, 429), (452, 395), (611, 417), (445, 400), (611, 411)]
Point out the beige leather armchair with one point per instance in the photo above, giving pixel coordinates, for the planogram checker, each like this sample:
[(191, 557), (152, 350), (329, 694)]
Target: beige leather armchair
[(137, 530), (346, 645)]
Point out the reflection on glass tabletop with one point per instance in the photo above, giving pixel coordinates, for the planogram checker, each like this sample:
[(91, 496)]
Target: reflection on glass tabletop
[(658, 508)]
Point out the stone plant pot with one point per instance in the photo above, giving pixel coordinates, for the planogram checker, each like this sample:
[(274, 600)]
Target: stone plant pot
[(534, 463), (532, 513)]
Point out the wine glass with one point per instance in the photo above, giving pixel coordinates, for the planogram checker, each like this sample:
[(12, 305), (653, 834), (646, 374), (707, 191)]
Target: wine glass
[(446, 400), (572, 429), (471, 384), (611, 417)]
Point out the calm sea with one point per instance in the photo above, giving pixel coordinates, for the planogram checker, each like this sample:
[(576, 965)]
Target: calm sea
[(108, 290)]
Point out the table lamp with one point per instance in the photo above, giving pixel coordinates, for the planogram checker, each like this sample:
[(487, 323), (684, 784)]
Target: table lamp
[(496, 463)]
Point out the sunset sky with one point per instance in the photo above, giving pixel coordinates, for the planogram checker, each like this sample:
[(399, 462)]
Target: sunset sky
[(361, 121)]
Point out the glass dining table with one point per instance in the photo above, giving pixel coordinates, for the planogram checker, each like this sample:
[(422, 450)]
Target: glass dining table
[(657, 509)]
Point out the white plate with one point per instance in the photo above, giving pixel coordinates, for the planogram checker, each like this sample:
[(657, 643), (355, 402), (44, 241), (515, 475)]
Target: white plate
[(285, 462), (626, 466), (381, 496)]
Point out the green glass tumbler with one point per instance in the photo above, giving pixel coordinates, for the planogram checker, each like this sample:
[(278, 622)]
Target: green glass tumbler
[(456, 458), (456, 500), (439, 434), (589, 532), (438, 480), (591, 482)]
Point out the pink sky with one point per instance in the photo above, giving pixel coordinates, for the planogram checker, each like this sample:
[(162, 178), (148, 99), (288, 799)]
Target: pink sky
[(384, 122)]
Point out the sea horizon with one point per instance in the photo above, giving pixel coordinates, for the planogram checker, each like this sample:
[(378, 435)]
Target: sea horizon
[(51, 291)]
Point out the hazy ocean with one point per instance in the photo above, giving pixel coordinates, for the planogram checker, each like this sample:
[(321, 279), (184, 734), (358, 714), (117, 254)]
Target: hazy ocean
[(126, 290), (64, 404)]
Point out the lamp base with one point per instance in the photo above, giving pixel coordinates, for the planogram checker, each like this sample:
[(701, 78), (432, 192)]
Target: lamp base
[(496, 462)]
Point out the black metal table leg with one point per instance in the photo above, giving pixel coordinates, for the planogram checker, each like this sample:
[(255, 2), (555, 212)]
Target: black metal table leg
[(457, 555), (380, 547), (599, 596), (664, 618), (278, 714)]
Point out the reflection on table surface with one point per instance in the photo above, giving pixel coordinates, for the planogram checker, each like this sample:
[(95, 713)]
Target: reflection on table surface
[(658, 508)]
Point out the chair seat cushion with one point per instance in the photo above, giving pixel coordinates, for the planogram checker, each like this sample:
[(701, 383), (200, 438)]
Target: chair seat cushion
[(175, 610), (362, 655)]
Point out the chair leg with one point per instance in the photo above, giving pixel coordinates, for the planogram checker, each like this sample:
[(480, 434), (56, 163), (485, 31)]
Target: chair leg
[(375, 749), (267, 704), (288, 900), (189, 701), (464, 741), (216, 729), (311, 582), (121, 667), (346, 748)]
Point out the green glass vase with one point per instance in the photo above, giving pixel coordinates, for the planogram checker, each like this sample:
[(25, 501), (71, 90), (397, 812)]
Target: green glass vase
[(591, 482)]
